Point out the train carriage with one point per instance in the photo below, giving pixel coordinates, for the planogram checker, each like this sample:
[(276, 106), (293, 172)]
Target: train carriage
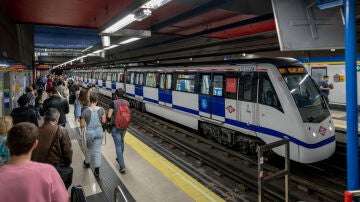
[(243, 104)]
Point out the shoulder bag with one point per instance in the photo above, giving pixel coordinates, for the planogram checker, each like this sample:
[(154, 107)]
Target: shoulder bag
[(65, 172)]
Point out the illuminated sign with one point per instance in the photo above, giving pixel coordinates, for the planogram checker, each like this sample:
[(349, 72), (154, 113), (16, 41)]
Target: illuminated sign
[(231, 85), (43, 66)]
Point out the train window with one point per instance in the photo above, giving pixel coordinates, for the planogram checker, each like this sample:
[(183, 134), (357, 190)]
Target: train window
[(132, 78), (205, 84), (162, 80), (247, 88), (104, 76), (108, 78), (151, 79), (248, 84), (185, 82), (100, 75), (267, 93), (121, 77), (168, 81), (139, 79), (218, 85)]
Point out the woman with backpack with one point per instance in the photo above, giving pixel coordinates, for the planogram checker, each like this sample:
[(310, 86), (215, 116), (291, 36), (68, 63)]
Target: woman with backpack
[(93, 117)]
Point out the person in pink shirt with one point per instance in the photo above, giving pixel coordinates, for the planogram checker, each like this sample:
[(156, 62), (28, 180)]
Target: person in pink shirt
[(25, 180)]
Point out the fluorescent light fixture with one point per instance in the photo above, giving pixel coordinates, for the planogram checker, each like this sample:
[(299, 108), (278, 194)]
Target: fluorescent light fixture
[(105, 41), (97, 51), (86, 48), (154, 4), (130, 40), (110, 47), (120, 24)]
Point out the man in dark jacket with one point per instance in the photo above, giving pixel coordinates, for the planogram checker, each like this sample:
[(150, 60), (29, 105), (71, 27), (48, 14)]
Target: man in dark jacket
[(57, 102), (61, 153), (24, 113)]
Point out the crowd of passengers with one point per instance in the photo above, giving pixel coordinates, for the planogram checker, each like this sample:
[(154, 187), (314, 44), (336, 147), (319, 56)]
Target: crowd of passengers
[(31, 152)]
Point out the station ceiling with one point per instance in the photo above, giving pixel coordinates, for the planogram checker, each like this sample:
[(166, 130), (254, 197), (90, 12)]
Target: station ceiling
[(180, 29)]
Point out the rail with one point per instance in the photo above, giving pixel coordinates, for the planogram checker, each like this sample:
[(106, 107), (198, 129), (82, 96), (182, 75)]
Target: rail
[(119, 195), (285, 172)]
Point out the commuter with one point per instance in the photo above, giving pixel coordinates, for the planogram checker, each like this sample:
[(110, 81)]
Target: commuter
[(49, 82), (81, 103), (60, 88), (31, 95), (60, 154), (24, 113), (118, 134), (93, 117), (55, 101), (325, 88), (5, 126), (24, 180), (43, 81)]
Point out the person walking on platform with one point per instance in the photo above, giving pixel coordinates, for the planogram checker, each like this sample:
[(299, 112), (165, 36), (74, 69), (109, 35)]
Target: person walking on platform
[(118, 133), (5, 126), (60, 88), (81, 103), (57, 102), (93, 117), (60, 153), (24, 180), (24, 113), (325, 88), (31, 95)]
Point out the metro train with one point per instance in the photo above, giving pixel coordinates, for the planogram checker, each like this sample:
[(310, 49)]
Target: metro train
[(242, 103)]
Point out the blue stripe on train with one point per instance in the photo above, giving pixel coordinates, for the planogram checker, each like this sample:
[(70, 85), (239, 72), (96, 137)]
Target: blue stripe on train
[(151, 100), (278, 134), (130, 94), (184, 109)]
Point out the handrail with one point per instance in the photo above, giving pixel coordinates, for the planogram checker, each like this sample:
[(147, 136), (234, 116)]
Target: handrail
[(285, 172), (119, 195)]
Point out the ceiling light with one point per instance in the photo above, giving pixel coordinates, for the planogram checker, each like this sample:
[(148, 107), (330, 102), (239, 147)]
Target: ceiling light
[(142, 13), (86, 48), (154, 4), (97, 51), (110, 47), (105, 41), (120, 24), (130, 40)]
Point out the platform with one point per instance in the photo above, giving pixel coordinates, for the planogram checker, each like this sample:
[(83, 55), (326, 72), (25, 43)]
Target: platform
[(339, 118), (149, 176)]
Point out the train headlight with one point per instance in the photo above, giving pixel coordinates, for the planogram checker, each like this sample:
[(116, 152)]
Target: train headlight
[(314, 134), (330, 128)]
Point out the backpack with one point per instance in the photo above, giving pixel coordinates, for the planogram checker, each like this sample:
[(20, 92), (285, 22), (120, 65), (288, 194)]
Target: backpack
[(123, 115)]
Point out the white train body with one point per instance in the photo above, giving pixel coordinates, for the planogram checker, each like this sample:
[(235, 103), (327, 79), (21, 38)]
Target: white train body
[(254, 103)]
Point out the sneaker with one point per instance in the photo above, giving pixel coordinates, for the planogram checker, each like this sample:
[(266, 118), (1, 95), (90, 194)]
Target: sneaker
[(86, 165), (122, 170), (96, 172)]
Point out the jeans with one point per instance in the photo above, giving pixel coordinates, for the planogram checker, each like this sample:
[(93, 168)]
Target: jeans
[(118, 136), (94, 138)]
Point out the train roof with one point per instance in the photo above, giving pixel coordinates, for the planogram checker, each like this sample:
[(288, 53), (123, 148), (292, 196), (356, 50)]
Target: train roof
[(278, 62)]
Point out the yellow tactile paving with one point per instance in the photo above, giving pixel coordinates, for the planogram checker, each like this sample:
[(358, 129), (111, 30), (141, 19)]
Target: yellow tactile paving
[(189, 185)]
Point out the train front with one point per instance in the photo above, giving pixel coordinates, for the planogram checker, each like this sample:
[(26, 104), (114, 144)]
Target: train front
[(318, 135)]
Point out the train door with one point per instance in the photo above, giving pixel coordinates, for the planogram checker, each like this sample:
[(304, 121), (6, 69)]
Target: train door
[(211, 99), (139, 82), (165, 92), (269, 104), (247, 100)]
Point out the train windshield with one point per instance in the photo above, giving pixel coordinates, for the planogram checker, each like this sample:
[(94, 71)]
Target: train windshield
[(311, 105)]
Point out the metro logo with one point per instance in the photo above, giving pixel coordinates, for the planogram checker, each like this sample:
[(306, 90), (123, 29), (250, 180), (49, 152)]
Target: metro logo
[(230, 109), (322, 131)]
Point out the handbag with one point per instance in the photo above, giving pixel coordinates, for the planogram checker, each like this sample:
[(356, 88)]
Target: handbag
[(65, 172)]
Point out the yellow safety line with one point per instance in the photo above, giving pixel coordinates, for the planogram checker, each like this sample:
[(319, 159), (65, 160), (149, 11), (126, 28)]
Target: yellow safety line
[(189, 185)]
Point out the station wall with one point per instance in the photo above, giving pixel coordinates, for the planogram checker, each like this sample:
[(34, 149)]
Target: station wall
[(16, 41)]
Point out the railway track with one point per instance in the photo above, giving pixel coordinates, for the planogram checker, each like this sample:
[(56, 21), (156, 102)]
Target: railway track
[(307, 182)]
